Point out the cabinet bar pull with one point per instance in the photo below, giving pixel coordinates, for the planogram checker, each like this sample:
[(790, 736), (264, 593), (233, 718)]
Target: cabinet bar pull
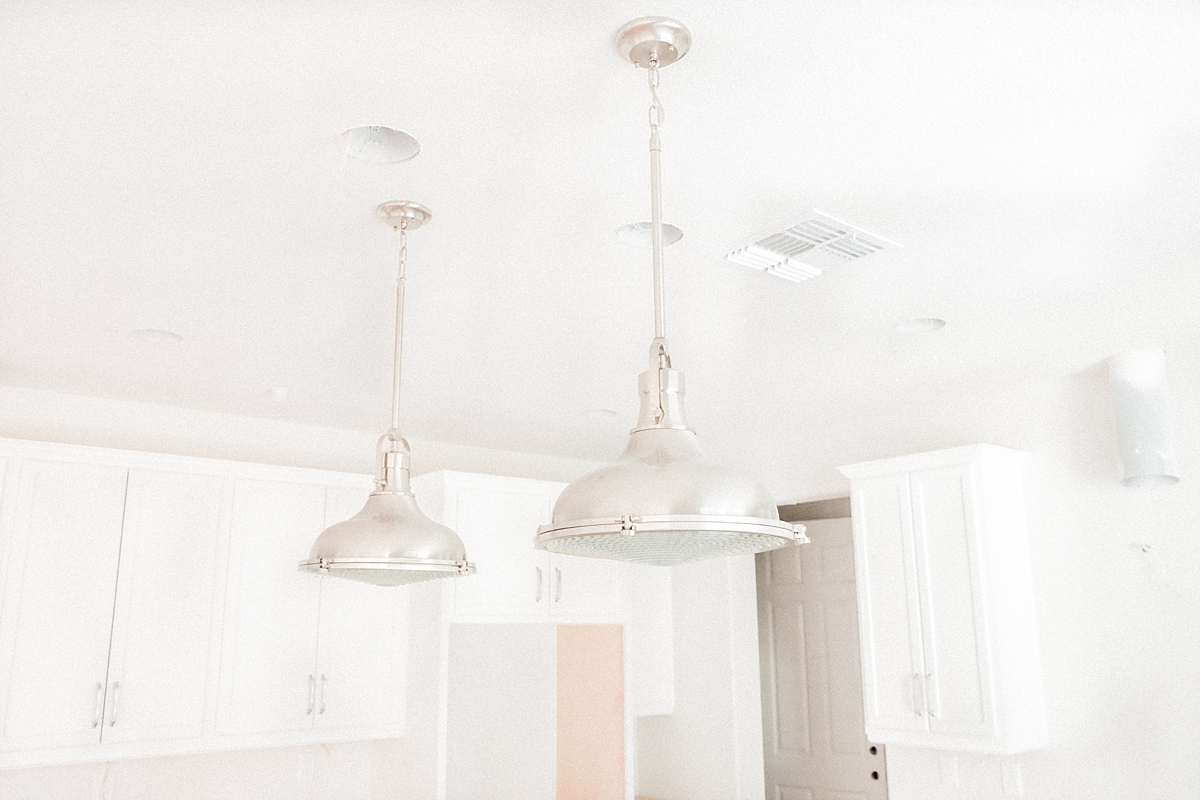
[(918, 688), (116, 693), (557, 584), (930, 696), (312, 693), (539, 584), (98, 705), (322, 711)]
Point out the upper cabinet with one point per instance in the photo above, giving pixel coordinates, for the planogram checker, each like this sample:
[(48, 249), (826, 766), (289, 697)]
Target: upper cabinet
[(153, 605), (109, 617), (497, 519), (945, 601), (306, 658), (63, 524)]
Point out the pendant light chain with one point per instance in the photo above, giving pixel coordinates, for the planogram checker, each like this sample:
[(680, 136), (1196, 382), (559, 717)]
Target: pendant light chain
[(656, 117), (395, 431)]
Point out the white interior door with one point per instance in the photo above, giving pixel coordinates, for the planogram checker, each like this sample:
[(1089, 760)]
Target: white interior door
[(64, 536), (815, 746), (269, 651), (957, 660), (889, 616), (363, 646), (498, 526), (166, 615)]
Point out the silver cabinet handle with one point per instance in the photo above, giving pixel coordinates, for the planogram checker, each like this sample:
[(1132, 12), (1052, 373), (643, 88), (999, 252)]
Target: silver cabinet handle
[(557, 584), (312, 693), (322, 711), (116, 693), (930, 696), (98, 705), (918, 688), (539, 585)]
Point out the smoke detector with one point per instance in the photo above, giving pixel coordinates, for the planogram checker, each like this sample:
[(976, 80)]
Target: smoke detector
[(809, 247)]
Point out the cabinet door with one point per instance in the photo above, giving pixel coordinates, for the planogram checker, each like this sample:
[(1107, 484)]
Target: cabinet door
[(957, 660), (268, 670), (363, 646), (497, 526), (888, 608), (64, 536), (165, 618), (587, 589)]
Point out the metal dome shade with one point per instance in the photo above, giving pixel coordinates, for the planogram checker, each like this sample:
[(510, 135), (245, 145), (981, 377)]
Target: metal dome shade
[(390, 542), (663, 502)]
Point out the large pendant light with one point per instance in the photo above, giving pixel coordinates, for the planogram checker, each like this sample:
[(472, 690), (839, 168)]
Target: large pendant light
[(391, 542), (663, 502)]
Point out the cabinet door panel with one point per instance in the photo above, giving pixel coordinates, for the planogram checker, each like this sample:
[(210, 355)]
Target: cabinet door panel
[(363, 644), (958, 665), (270, 639), (54, 632), (165, 617), (587, 589), (498, 527), (889, 617)]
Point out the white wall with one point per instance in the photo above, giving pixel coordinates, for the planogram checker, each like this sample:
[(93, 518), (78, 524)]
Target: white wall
[(385, 770), (1119, 628), (710, 748)]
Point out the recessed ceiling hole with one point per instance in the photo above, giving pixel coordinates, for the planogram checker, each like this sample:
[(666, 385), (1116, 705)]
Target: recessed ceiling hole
[(921, 325), (379, 144), (640, 234), (156, 335)]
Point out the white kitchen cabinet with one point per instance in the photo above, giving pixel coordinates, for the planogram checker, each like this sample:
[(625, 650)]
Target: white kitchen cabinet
[(152, 605), (362, 645), (63, 523), (268, 669), (305, 653), (945, 600), (497, 519), (166, 623), (108, 626)]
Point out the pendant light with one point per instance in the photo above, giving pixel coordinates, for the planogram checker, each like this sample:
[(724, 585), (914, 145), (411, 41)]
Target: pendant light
[(662, 502), (391, 542)]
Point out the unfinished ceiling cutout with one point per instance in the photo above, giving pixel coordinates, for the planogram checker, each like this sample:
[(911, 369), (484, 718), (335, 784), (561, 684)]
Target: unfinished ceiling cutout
[(379, 144), (641, 234), (809, 247)]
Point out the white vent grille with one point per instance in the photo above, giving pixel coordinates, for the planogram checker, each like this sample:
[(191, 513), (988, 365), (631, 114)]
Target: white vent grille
[(808, 248)]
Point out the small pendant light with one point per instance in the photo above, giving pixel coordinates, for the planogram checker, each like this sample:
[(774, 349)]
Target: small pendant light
[(663, 502), (391, 542)]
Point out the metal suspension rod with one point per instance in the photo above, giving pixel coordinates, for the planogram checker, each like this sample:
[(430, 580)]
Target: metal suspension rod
[(656, 200), (399, 329)]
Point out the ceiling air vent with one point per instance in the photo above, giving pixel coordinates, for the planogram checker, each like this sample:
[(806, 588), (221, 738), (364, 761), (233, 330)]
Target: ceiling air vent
[(808, 248)]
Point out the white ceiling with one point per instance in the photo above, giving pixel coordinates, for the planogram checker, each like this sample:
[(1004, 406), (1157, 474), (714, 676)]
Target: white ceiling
[(177, 166)]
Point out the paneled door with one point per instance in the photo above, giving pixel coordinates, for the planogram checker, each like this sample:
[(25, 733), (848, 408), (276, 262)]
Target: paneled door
[(166, 624), (362, 655), (64, 540), (814, 740), (269, 654)]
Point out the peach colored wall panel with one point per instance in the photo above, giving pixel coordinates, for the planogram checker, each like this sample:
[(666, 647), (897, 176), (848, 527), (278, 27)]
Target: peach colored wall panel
[(591, 713)]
